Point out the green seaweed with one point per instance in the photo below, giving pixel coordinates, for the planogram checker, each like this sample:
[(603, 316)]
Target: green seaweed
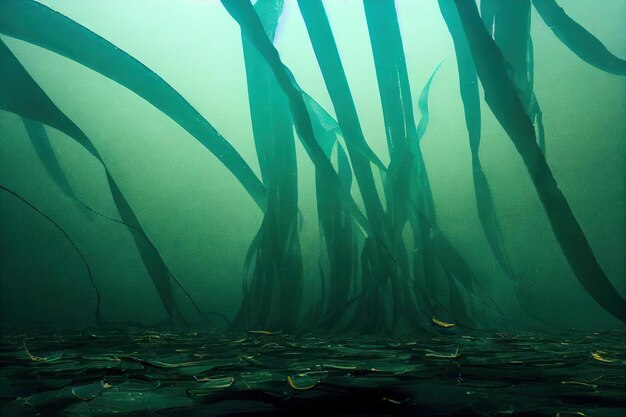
[(337, 85), (408, 180), (409, 191), (251, 27), (336, 82), (23, 96), (383, 270), (508, 23), (337, 235), (468, 84), (580, 41), (277, 255), (502, 98), (37, 24)]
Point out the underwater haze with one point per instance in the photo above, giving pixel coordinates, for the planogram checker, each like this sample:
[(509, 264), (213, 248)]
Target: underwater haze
[(395, 195)]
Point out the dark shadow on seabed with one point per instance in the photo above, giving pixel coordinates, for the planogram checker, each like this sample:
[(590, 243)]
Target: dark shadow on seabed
[(142, 372)]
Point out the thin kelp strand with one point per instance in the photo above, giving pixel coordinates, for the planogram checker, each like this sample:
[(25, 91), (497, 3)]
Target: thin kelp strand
[(147, 240), (70, 240)]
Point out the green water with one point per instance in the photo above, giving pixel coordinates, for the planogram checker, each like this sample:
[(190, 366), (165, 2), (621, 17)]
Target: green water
[(405, 177)]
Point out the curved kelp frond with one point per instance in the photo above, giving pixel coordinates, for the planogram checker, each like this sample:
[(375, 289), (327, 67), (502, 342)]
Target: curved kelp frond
[(41, 142), (252, 28), (20, 94), (580, 41), (422, 104), (98, 314), (37, 24), (504, 102)]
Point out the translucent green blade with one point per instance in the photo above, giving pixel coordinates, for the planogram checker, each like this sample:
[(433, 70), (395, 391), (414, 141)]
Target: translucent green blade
[(251, 27), (20, 94), (502, 98), (580, 41), (37, 24), (468, 83)]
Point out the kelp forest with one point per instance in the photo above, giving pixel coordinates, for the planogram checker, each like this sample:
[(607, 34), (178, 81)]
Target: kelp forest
[(338, 207)]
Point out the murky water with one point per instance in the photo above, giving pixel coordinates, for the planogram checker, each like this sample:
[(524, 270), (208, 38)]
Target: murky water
[(306, 207)]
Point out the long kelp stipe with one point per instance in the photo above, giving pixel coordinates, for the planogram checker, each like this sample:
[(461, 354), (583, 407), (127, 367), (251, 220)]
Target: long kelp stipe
[(386, 263)]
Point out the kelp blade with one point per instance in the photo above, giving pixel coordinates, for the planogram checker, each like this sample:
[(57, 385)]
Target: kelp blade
[(502, 98), (20, 94), (580, 41), (277, 246), (243, 13), (45, 152), (337, 85), (37, 24), (468, 84)]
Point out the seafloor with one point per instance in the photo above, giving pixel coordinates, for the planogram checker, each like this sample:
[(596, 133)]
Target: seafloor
[(139, 372)]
